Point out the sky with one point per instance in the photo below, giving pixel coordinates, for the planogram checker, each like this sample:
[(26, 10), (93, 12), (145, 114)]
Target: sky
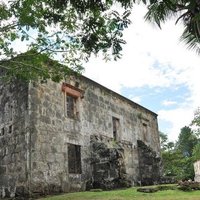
[(156, 70)]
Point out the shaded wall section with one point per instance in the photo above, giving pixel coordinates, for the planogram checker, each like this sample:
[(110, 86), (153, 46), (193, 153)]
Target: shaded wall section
[(149, 164), (108, 164), (13, 139)]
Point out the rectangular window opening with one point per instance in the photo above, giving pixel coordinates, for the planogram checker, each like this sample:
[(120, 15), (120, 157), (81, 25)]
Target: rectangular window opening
[(11, 112), (71, 106), (2, 131), (74, 159), (115, 122), (10, 129), (144, 132)]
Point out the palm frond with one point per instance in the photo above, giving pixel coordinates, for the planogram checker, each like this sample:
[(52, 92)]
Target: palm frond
[(191, 40), (160, 11)]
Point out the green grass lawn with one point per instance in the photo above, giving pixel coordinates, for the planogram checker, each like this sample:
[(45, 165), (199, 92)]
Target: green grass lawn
[(128, 194)]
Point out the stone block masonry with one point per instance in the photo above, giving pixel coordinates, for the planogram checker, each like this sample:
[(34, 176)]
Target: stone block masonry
[(73, 136), (13, 139)]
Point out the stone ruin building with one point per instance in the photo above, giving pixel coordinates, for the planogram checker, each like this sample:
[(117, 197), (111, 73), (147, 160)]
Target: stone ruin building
[(73, 136)]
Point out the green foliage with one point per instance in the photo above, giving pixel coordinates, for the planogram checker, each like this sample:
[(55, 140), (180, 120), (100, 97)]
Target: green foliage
[(178, 158), (196, 152), (75, 29), (164, 143), (28, 69), (177, 165), (186, 141), (187, 11), (196, 120), (163, 140)]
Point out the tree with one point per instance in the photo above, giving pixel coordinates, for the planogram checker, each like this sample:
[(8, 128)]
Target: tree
[(187, 11), (196, 121), (178, 158), (163, 140), (75, 28), (164, 143), (186, 141), (196, 152), (176, 165)]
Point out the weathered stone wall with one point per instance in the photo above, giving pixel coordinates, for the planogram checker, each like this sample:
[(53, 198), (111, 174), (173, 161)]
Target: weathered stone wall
[(13, 139), (54, 131), (45, 134), (149, 164), (108, 164)]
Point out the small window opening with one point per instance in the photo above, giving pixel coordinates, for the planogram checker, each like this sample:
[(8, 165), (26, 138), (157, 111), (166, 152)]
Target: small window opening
[(77, 84), (115, 128), (2, 131), (10, 129), (144, 132), (4, 151), (74, 159), (71, 106), (11, 112)]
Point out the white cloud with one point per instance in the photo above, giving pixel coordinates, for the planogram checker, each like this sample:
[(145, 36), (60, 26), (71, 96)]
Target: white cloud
[(178, 117), (145, 48), (169, 103), (154, 58), (136, 99)]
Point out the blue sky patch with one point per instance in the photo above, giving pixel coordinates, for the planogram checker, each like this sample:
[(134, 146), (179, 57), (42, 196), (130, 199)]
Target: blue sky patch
[(158, 98)]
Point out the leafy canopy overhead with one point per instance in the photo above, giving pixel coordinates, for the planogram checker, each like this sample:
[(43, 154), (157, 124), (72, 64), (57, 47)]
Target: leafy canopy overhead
[(75, 29)]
